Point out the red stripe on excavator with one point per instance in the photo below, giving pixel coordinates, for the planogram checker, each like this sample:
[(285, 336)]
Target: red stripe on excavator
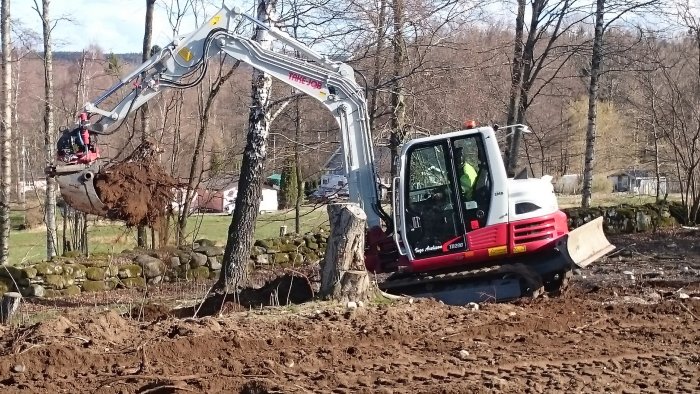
[(500, 241)]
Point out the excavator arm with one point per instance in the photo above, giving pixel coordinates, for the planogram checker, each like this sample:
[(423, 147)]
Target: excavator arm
[(183, 63)]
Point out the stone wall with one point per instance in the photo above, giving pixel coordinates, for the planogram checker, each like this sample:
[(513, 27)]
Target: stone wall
[(201, 261), (625, 219)]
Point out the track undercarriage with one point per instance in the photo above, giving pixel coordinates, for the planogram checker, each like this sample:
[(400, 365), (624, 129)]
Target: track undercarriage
[(526, 276)]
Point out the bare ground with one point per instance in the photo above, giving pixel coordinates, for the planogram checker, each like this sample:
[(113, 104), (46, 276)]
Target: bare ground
[(609, 332)]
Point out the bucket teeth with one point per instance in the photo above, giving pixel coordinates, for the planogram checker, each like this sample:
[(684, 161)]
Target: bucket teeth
[(76, 183)]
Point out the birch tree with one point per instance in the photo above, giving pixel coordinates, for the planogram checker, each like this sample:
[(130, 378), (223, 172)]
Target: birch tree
[(5, 132), (245, 213), (617, 10), (49, 138), (145, 118)]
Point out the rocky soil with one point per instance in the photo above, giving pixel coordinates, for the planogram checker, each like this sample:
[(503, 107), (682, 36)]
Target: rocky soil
[(628, 324)]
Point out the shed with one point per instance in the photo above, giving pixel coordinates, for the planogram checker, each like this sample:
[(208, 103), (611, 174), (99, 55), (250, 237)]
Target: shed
[(637, 181)]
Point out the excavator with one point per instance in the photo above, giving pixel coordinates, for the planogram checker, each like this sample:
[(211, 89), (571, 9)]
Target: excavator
[(503, 239)]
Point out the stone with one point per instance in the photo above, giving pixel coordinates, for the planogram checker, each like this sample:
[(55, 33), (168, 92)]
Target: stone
[(213, 263), (473, 306), (263, 243), (214, 274), (53, 281), (204, 242), (130, 271), (262, 259), (74, 270), (156, 280), (287, 248), (463, 355), (131, 283), (628, 274), (352, 305), (47, 268), (18, 273), (210, 251), (199, 273), (151, 266), (112, 270), (312, 245), (71, 291), (19, 368), (95, 273), (68, 280), (198, 260), (280, 258), (112, 283), (34, 290), (51, 293), (296, 258), (92, 286), (683, 296), (256, 250), (174, 261)]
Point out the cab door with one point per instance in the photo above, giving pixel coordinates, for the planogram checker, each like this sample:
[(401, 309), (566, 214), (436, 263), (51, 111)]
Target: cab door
[(432, 215)]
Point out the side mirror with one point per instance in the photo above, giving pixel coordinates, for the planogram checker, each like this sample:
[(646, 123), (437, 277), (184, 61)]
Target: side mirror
[(63, 129)]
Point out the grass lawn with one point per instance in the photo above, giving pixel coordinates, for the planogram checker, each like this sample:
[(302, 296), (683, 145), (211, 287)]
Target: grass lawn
[(112, 237)]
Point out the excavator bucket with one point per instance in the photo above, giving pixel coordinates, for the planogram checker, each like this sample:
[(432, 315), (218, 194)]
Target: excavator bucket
[(586, 244), (76, 182)]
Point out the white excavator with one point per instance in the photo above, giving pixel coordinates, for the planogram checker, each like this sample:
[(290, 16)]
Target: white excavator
[(459, 229)]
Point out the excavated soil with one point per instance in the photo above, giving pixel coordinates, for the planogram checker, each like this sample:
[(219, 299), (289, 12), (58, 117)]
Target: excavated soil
[(137, 192), (628, 324)]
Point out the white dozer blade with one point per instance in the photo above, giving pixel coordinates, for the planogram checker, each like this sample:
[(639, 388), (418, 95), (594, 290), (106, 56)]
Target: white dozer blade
[(77, 187), (586, 244)]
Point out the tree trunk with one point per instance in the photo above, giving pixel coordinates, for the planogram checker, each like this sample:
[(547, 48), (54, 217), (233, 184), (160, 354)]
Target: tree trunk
[(515, 83), (297, 165), (343, 274), (141, 237), (596, 62), (49, 138), (5, 132), (8, 306), (398, 104), (378, 60), (241, 231), (19, 138)]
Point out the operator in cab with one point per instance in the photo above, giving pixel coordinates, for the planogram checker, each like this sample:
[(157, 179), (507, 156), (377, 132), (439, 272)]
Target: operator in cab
[(74, 146)]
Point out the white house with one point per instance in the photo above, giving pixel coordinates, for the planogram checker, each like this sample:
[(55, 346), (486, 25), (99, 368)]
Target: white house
[(220, 196)]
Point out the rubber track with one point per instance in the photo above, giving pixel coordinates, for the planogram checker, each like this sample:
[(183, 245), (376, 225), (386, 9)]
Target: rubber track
[(391, 286)]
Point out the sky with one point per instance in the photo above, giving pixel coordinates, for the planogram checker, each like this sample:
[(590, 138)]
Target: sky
[(114, 25)]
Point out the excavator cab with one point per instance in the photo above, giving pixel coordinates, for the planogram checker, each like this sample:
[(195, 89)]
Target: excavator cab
[(448, 192), (458, 208)]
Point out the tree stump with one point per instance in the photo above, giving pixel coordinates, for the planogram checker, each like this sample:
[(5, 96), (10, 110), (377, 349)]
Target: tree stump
[(8, 306), (343, 274)]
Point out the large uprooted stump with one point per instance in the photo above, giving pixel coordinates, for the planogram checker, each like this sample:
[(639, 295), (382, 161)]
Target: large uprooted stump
[(343, 274), (136, 190)]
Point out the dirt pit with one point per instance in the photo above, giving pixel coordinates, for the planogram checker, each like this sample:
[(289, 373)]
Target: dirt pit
[(626, 324), (137, 192)]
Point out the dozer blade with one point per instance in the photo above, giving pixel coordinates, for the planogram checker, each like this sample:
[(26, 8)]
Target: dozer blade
[(77, 187), (585, 244)]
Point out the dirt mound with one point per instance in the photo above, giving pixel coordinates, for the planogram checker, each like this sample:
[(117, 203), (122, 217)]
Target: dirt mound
[(283, 290), (108, 326), (150, 312), (137, 192)]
